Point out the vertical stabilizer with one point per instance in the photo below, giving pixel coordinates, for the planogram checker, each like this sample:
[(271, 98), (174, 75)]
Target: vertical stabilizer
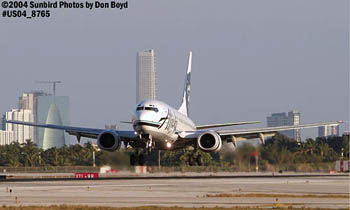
[(186, 94)]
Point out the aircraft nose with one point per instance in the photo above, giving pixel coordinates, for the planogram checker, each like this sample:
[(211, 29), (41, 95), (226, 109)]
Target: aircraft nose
[(139, 123), (141, 116)]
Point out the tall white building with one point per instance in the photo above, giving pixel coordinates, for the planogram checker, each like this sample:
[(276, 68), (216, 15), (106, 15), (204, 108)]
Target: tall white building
[(283, 119), (21, 133), (146, 75), (332, 130)]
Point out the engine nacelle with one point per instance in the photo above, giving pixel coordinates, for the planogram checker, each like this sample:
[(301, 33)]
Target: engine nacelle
[(109, 140), (209, 141)]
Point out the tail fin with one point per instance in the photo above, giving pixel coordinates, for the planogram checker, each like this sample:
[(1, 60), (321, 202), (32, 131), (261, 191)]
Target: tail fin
[(186, 94)]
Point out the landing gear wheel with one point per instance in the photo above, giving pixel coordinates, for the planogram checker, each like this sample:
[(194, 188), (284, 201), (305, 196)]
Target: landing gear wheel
[(142, 159), (200, 160), (133, 159)]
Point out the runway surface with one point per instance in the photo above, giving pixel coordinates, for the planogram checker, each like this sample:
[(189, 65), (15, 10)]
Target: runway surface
[(179, 192)]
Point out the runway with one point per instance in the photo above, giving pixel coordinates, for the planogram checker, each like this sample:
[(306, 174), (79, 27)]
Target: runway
[(181, 192)]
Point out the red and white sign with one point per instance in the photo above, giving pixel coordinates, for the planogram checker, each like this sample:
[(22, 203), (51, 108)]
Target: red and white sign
[(342, 165), (86, 175)]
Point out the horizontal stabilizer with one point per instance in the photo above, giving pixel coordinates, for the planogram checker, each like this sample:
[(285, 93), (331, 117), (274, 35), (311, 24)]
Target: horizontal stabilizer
[(225, 124)]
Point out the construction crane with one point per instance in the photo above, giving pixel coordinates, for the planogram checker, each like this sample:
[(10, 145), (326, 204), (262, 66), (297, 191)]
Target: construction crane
[(50, 82)]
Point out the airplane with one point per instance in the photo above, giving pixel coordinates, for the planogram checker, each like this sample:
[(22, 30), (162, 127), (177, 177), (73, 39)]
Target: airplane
[(156, 125)]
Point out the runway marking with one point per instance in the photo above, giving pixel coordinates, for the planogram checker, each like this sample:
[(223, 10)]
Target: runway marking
[(87, 185), (285, 182)]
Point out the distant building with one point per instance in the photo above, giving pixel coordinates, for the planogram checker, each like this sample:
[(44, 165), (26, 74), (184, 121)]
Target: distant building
[(146, 75), (53, 137), (42, 108), (21, 133), (2, 122), (29, 101), (323, 131), (332, 130), (111, 127), (283, 119), (62, 106), (6, 137)]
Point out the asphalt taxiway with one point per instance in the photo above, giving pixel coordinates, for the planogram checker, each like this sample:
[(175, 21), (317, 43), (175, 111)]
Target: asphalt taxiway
[(180, 192)]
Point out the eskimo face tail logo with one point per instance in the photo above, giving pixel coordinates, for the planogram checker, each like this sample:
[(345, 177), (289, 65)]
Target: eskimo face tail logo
[(188, 89)]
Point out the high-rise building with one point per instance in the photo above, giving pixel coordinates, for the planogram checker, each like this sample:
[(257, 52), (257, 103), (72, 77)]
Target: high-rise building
[(283, 119), (111, 127), (2, 122), (29, 101), (146, 75), (53, 137), (21, 132), (323, 131), (44, 103), (6, 137), (39, 102), (332, 130), (36, 106)]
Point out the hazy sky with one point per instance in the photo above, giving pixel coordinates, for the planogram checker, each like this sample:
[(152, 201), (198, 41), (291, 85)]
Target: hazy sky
[(250, 58)]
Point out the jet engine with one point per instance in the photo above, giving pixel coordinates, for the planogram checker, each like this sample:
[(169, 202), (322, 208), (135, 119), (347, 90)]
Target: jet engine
[(109, 140), (209, 141)]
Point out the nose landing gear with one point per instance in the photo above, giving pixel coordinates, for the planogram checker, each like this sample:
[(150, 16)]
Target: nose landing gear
[(139, 157)]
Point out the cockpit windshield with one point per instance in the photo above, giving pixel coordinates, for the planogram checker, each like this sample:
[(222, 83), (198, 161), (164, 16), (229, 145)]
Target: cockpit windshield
[(155, 109), (152, 109)]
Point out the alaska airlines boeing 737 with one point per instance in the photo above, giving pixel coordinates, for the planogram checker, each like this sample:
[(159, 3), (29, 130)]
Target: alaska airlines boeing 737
[(160, 126)]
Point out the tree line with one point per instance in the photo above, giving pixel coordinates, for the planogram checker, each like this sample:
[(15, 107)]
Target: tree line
[(278, 150)]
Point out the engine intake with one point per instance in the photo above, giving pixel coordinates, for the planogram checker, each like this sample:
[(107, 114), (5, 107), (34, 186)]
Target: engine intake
[(109, 140), (209, 141)]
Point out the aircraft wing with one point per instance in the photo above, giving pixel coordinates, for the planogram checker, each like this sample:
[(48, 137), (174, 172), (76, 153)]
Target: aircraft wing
[(225, 124), (79, 131), (253, 133)]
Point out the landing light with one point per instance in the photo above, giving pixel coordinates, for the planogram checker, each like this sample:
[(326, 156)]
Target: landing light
[(168, 144)]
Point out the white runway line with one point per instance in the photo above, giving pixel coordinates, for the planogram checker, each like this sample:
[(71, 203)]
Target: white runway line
[(84, 186)]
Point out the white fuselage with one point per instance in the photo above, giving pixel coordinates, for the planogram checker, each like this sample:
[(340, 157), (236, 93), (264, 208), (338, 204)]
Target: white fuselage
[(161, 121)]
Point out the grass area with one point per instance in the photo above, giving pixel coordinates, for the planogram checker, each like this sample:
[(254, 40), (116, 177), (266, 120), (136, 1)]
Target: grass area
[(259, 195), (65, 207)]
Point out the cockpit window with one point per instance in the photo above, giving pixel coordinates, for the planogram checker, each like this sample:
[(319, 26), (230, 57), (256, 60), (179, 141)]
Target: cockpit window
[(140, 108), (151, 109)]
